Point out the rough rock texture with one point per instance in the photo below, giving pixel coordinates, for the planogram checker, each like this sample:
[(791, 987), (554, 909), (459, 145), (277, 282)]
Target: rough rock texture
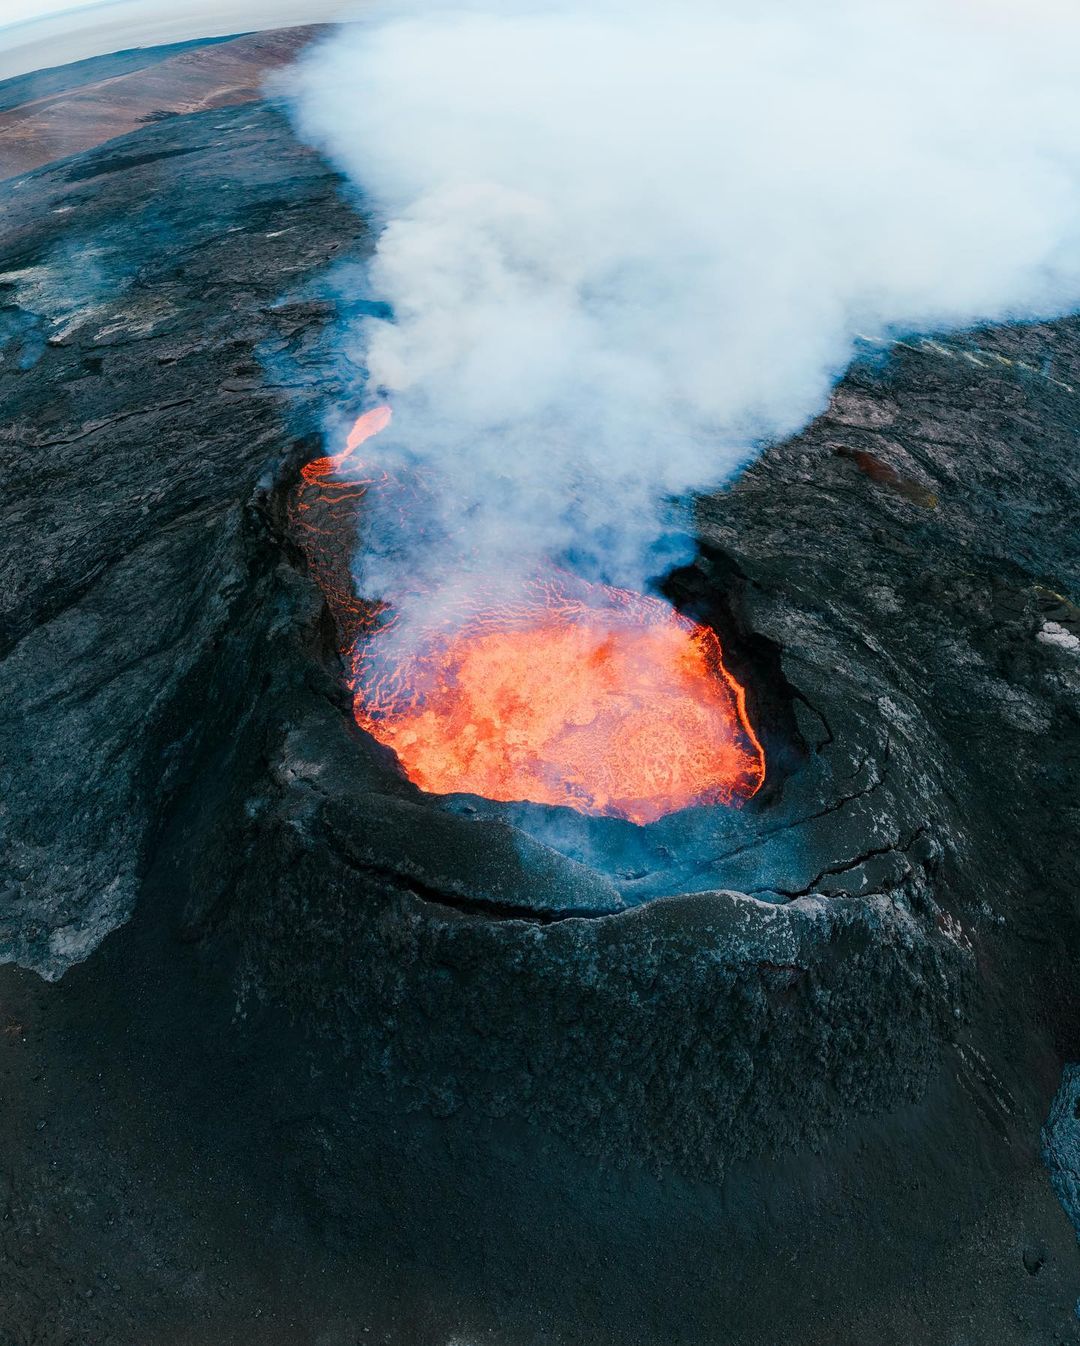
[(366, 1065), (1061, 1144), (137, 424)]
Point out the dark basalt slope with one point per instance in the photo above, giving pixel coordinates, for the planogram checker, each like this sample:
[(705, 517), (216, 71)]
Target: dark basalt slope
[(319, 1058)]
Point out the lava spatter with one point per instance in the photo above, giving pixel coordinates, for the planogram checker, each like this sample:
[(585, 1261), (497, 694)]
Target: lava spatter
[(560, 692)]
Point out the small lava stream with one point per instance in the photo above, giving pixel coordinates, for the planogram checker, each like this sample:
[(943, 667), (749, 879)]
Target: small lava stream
[(596, 698)]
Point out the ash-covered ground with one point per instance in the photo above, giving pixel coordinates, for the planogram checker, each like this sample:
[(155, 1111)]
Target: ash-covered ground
[(290, 1052)]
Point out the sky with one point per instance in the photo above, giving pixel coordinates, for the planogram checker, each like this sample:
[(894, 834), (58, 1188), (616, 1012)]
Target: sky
[(17, 10), (259, 12)]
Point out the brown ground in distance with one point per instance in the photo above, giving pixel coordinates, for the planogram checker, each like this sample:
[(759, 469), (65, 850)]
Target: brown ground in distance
[(47, 128)]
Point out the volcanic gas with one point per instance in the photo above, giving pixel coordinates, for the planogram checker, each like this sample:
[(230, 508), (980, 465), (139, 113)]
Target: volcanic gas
[(555, 691)]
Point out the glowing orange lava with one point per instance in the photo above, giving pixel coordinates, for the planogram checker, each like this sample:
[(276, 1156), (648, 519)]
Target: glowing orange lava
[(326, 469), (596, 698)]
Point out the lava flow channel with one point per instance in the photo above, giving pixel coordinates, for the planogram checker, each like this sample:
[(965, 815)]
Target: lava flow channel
[(596, 698)]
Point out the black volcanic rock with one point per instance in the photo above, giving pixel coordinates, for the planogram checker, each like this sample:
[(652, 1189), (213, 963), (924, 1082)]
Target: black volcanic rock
[(359, 1064), (137, 288)]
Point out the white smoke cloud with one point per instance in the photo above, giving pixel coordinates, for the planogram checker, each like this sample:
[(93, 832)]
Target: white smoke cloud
[(625, 244)]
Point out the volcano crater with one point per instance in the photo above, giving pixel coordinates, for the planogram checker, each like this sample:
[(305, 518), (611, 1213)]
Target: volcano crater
[(862, 978), (807, 920)]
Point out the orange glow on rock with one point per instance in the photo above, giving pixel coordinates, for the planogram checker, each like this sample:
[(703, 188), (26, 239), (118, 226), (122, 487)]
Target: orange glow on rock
[(595, 698)]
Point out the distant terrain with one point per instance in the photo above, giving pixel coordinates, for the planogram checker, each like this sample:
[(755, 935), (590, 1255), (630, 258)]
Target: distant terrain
[(54, 113)]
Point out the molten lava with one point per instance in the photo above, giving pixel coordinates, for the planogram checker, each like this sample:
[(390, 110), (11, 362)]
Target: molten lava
[(606, 701)]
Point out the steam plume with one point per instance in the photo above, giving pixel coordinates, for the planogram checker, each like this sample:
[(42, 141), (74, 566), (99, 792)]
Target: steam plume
[(626, 244)]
